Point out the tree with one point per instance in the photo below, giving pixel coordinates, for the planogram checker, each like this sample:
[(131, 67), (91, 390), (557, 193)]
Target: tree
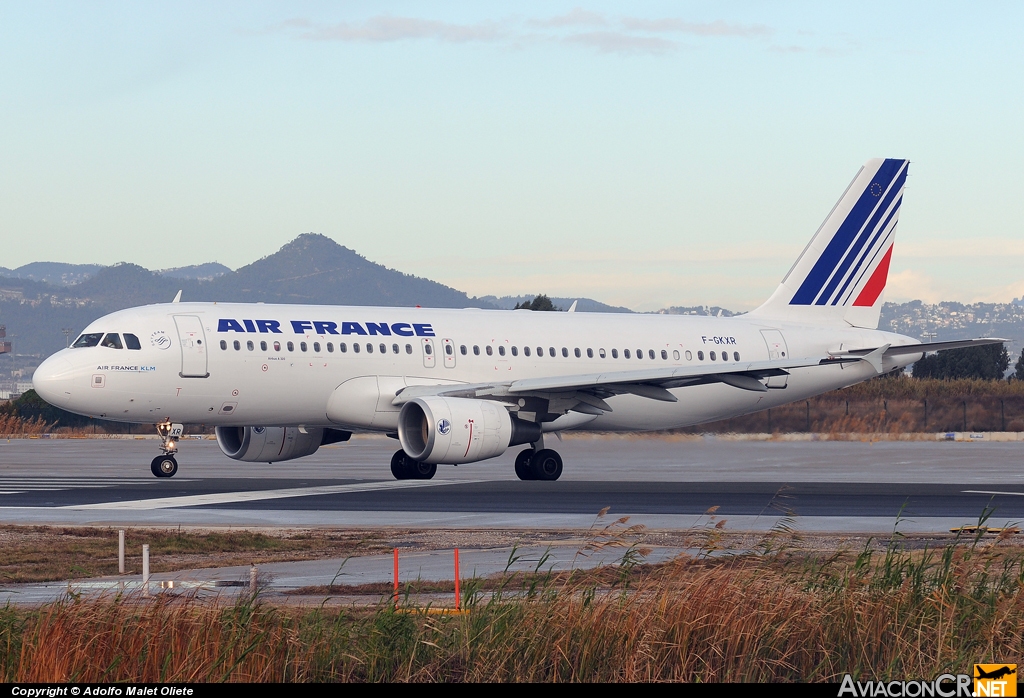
[(541, 302), (1018, 369), (988, 362)]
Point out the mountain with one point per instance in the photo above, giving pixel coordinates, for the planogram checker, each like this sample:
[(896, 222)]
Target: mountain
[(584, 305), (199, 272), (57, 273)]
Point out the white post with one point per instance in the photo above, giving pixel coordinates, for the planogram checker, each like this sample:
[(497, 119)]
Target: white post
[(145, 570), (252, 579), (120, 551)]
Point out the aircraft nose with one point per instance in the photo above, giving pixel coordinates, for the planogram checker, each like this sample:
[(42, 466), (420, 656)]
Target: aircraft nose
[(53, 379)]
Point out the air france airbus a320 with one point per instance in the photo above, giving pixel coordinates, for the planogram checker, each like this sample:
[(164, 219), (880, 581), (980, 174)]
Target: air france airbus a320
[(459, 386)]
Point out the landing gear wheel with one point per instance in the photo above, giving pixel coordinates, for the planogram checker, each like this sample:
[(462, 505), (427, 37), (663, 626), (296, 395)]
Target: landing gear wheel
[(164, 466), (546, 464), (398, 465), (418, 470), (523, 469)]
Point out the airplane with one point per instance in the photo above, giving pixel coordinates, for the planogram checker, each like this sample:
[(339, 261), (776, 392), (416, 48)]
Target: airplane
[(458, 386)]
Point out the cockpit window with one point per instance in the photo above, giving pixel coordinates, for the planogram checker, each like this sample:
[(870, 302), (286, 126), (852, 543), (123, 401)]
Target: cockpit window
[(112, 340), (88, 340), (131, 341)]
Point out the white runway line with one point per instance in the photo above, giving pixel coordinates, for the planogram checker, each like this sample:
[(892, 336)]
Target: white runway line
[(256, 495), (1018, 494)]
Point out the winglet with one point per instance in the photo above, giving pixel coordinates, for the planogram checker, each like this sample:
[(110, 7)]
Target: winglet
[(875, 358), (572, 308), (177, 298)]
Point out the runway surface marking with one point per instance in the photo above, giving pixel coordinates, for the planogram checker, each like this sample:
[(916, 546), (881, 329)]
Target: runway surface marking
[(252, 496), (17, 485), (1018, 494)]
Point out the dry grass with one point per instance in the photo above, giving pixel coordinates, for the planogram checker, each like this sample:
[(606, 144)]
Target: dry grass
[(42, 553), (771, 615)]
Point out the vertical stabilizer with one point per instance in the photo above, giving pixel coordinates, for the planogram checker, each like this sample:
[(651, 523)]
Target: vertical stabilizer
[(841, 274)]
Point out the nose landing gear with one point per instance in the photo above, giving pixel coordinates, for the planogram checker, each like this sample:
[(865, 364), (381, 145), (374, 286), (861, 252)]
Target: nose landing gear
[(165, 465)]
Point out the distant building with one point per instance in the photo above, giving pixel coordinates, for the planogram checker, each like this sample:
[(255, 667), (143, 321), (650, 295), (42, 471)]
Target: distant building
[(5, 347)]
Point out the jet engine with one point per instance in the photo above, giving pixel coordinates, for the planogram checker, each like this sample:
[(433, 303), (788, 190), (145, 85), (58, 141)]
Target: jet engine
[(459, 430), (273, 444)]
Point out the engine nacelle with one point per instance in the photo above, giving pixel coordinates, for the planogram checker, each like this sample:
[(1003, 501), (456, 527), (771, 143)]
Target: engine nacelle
[(273, 444), (459, 430)]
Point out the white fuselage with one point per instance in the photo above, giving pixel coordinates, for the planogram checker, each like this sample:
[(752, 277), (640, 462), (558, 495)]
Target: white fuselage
[(228, 364)]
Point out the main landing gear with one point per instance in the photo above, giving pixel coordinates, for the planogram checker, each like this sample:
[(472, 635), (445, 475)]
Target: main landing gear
[(165, 465), (542, 464), (405, 468)]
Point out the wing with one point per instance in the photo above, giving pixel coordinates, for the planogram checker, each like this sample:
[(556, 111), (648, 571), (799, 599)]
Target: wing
[(553, 396)]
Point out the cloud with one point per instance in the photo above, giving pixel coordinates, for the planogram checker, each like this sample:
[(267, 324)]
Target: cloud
[(574, 18), (617, 42), (387, 28), (681, 26)]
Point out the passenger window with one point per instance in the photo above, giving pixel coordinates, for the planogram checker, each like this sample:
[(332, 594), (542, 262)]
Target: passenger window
[(476, 350), (463, 350), (330, 347), (675, 355), (625, 353), (551, 351), (223, 344), (501, 349), (113, 341), (700, 356), (408, 348), (489, 350), (725, 356), (237, 345), (250, 346), (291, 346), (650, 354), (131, 341), (689, 356), (515, 351), (303, 347), (383, 348), (355, 347), (263, 346), (600, 352), (526, 351), (590, 353), (394, 349), (277, 346), (711, 355), (735, 356), (369, 348), (639, 353), (343, 348), (316, 347), (565, 352), (87, 340), (615, 353), (664, 355), (577, 352), (449, 350)]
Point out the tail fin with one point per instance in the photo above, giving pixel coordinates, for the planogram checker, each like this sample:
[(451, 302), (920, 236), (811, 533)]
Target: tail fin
[(840, 276)]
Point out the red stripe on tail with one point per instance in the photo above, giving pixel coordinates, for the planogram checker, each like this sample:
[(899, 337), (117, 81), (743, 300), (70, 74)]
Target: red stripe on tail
[(873, 289)]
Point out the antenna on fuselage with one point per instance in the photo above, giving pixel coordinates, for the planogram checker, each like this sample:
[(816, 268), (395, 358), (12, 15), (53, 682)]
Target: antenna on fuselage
[(572, 308), (177, 298)]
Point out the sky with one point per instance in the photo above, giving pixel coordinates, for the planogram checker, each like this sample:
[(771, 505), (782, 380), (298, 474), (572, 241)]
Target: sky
[(644, 154)]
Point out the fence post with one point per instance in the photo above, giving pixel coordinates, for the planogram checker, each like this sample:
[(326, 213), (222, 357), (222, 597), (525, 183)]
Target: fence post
[(145, 569), (396, 578), (120, 551), (457, 591), (252, 579)]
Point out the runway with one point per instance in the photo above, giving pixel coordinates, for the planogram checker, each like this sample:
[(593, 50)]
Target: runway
[(661, 482)]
